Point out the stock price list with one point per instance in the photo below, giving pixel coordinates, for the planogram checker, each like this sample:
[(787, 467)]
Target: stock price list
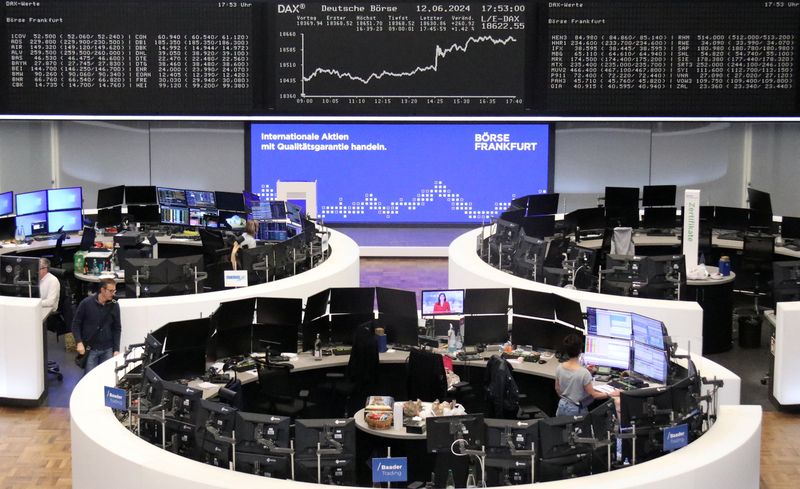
[(401, 57), (672, 58), (125, 57)]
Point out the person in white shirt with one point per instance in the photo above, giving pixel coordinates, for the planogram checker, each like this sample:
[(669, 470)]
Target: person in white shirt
[(49, 288), (247, 240)]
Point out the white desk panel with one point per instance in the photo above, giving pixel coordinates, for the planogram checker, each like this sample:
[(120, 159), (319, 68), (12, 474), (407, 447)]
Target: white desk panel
[(785, 383), (21, 349)]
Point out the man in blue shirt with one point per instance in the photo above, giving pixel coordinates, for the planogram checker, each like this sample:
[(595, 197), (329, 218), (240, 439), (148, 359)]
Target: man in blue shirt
[(96, 325)]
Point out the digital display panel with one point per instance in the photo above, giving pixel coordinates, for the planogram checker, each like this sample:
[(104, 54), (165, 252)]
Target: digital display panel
[(436, 302), (6, 203), (200, 198), (613, 324), (650, 362), (415, 173), (31, 202), (607, 352), (648, 331), (60, 199), (71, 221), (27, 221), (171, 196)]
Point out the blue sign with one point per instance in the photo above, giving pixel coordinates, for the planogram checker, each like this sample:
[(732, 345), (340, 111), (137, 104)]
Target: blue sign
[(116, 398), (676, 437), (393, 469)]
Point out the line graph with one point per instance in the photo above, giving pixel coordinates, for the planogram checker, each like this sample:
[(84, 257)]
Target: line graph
[(414, 56), (439, 54)]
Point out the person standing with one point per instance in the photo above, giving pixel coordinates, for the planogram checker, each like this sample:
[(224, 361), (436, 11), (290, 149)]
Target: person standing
[(97, 326), (574, 382), (49, 289)]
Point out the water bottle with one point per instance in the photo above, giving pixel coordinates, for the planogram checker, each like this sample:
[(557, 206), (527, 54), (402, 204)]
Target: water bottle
[(19, 234), (451, 483), (471, 479), (725, 266), (317, 348)]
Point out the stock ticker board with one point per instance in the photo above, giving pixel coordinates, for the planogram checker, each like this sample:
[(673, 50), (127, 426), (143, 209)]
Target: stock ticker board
[(594, 58)]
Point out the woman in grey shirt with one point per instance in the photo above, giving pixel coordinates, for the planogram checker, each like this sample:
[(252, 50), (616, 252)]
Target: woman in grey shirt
[(574, 382)]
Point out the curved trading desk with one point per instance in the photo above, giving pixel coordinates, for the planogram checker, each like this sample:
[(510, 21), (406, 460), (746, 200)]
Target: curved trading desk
[(684, 320), (21, 353), (104, 450)]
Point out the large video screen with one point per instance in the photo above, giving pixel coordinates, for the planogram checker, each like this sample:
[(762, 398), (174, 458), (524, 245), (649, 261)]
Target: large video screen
[(403, 173)]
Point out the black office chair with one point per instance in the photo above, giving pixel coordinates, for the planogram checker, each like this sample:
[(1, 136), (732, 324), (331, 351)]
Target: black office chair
[(755, 272), (276, 393), (427, 380), (503, 398), (59, 322), (216, 256), (360, 380), (57, 257)]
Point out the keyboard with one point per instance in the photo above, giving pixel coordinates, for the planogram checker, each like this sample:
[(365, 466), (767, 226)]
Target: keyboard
[(191, 237), (625, 385), (43, 237), (659, 232), (731, 236)]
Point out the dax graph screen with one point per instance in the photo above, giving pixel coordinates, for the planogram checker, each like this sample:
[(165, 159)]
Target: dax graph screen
[(404, 173), (416, 57)]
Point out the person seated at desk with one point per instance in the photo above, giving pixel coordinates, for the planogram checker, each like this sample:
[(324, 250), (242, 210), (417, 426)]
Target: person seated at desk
[(247, 240), (49, 289), (574, 382)]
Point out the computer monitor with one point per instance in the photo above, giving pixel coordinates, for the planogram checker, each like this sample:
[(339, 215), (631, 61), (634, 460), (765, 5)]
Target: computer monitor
[(612, 324), (70, 221), (442, 302), (19, 276), (180, 335), (8, 227), (659, 218), (648, 331), (506, 232), (759, 201), (233, 314), (206, 216), (201, 199), (337, 434), (443, 432), (316, 306), (485, 330), (181, 402), (218, 419), (539, 226), (275, 209), (560, 457), (261, 433), (352, 300), (622, 217), (786, 281), (264, 465), (140, 195), (505, 435), (513, 216), (730, 218), (626, 268), (662, 268), (172, 197), (27, 222), (650, 363), (279, 310), (6, 203), (486, 301), (607, 352), (144, 214), (528, 257), (275, 338), (790, 227), (31, 202), (344, 326), (111, 196), (60, 199), (519, 203), (539, 204), (568, 311), (658, 195), (174, 215), (231, 342), (396, 302), (400, 329), (234, 221), (591, 218), (336, 470), (110, 216), (646, 407), (215, 453), (320, 326), (230, 201), (622, 197), (533, 303), (540, 333), (758, 220), (146, 270)]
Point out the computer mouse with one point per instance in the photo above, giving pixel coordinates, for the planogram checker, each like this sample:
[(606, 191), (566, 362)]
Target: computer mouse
[(542, 362)]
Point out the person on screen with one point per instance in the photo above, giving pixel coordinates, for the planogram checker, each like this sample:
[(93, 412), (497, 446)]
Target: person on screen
[(441, 304), (96, 325), (574, 382)]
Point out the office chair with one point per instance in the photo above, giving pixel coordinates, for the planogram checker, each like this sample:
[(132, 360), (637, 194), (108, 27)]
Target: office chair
[(60, 321), (360, 379), (503, 399), (755, 273), (427, 380), (215, 252), (276, 394), (622, 242), (57, 257)]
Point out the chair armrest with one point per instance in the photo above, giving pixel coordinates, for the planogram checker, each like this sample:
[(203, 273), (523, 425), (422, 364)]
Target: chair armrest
[(460, 385)]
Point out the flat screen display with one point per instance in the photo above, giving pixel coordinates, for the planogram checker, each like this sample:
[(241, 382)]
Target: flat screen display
[(612, 324), (414, 173), (230, 201), (648, 331), (442, 302), (655, 195), (171, 196), (31, 202), (6, 203), (201, 198), (71, 221), (607, 352), (140, 195), (28, 220), (61, 199), (111, 196), (650, 362)]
